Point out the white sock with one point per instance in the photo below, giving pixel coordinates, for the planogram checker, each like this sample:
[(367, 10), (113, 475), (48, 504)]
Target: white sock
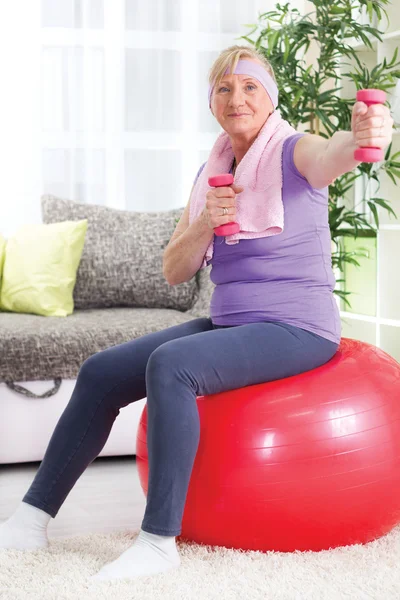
[(26, 529), (149, 555)]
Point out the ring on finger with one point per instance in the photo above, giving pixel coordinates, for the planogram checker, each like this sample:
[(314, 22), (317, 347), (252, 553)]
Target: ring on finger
[(224, 211)]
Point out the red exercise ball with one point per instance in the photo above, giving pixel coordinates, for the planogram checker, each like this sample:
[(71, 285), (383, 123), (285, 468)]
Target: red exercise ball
[(308, 462)]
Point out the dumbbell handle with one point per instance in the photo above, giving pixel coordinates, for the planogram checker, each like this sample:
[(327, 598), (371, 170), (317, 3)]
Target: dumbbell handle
[(220, 181), (370, 154)]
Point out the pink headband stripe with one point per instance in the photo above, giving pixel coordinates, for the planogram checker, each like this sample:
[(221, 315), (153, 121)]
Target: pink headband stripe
[(248, 67)]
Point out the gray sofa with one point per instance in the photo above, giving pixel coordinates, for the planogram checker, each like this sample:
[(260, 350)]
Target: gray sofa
[(120, 294)]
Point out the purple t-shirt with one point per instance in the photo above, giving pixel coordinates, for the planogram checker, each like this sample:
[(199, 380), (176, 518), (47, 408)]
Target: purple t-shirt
[(286, 277)]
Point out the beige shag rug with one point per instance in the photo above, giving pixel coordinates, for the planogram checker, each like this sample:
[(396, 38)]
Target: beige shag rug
[(62, 572)]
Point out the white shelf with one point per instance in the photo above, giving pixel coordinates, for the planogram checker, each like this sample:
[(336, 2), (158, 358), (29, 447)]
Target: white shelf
[(391, 35), (383, 227), (360, 45), (368, 319)]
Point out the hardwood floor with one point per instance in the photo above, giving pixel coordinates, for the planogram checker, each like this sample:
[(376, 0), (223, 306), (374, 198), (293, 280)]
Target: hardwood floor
[(107, 497)]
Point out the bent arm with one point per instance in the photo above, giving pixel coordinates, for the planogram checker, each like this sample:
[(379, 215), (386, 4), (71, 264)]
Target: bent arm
[(185, 251)]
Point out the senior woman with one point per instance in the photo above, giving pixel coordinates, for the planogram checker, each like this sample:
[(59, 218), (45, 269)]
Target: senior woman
[(273, 314)]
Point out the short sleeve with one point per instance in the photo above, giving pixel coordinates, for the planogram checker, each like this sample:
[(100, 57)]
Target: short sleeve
[(199, 171), (288, 151), (288, 162)]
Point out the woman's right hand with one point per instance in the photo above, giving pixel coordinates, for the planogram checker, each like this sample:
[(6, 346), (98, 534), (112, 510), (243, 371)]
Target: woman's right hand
[(216, 199)]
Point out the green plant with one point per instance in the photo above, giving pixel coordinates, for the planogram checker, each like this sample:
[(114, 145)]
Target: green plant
[(309, 95)]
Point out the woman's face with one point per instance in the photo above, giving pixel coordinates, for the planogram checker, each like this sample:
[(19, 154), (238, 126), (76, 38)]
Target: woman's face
[(244, 95)]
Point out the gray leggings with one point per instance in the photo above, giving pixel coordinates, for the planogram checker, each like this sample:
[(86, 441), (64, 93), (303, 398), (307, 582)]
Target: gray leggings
[(171, 367)]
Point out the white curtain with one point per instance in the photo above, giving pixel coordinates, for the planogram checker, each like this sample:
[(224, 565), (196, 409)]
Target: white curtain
[(105, 101)]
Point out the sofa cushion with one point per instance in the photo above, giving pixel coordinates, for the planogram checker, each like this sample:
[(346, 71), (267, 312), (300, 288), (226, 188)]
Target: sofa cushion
[(42, 348), (121, 263), (40, 268)]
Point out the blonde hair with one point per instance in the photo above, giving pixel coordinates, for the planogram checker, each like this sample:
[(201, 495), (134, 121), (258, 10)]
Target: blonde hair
[(230, 57)]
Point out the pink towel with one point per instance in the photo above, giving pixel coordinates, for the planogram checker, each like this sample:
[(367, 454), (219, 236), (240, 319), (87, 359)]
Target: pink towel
[(259, 208)]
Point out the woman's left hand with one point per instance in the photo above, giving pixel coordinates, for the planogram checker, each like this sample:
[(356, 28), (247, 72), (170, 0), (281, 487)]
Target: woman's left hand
[(372, 126)]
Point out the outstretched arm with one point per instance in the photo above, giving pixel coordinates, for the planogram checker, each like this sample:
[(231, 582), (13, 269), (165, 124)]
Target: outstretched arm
[(320, 160)]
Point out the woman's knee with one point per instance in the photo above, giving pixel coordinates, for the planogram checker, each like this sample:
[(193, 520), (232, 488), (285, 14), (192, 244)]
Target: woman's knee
[(167, 360), (105, 378), (160, 358), (96, 368), (91, 364)]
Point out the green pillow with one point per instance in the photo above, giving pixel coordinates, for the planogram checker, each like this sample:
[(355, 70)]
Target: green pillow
[(41, 262)]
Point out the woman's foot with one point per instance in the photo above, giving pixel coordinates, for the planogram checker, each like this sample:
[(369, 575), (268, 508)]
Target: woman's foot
[(149, 555), (26, 529)]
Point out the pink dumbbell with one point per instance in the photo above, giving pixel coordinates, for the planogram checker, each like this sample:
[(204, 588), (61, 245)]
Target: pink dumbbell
[(370, 154), (220, 181)]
